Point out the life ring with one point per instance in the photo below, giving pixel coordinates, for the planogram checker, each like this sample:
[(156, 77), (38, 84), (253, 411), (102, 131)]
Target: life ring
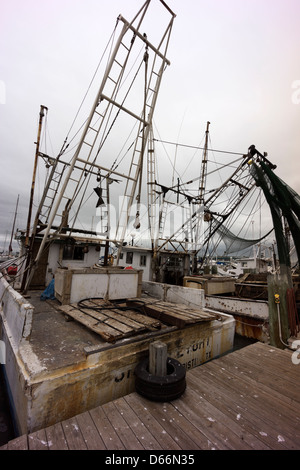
[(165, 388)]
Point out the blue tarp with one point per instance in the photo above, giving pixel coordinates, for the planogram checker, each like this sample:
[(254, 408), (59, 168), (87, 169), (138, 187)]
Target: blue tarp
[(48, 292)]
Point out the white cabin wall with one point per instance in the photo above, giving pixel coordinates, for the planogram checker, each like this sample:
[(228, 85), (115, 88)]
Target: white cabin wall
[(147, 273), (90, 258)]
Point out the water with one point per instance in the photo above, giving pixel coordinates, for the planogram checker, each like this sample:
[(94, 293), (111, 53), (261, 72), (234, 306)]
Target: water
[(6, 424)]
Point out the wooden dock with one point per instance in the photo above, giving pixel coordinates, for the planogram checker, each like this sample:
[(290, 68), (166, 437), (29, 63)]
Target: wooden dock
[(246, 400)]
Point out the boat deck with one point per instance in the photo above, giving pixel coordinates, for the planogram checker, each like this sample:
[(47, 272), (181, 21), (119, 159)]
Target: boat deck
[(114, 321), (248, 399), (57, 342)]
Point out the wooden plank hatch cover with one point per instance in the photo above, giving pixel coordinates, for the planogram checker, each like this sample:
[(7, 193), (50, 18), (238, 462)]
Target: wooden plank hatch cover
[(173, 314), (109, 320)]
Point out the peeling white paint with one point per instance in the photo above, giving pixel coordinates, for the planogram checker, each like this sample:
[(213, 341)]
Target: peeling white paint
[(30, 358)]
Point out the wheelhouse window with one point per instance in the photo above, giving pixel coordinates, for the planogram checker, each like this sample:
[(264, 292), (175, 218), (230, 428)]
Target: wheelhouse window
[(73, 252), (129, 257), (143, 260)]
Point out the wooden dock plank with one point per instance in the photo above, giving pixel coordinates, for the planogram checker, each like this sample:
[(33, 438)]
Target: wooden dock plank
[(245, 416), (222, 402), (38, 440), (73, 434), (274, 363), (56, 438), (271, 379), (20, 443), (121, 427), (174, 423), (106, 430), (219, 431), (151, 423), (147, 439), (230, 403), (89, 432), (237, 392)]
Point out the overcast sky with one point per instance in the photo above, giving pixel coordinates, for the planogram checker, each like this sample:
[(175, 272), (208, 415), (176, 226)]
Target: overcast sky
[(235, 63)]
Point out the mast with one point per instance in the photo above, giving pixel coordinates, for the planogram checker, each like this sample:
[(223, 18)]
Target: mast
[(28, 246), (13, 227), (204, 167), (97, 127), (42, 114), (200, 211)]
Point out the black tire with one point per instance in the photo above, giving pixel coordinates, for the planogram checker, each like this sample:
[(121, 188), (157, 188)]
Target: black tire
[(166, 388)]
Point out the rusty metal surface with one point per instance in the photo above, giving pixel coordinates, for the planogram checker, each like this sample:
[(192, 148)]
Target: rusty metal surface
[(252, 328)]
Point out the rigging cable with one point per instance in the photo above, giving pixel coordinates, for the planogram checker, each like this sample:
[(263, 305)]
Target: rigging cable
[(229, 224), (175, 156), (199, 148), (98, 151), (88, 89)]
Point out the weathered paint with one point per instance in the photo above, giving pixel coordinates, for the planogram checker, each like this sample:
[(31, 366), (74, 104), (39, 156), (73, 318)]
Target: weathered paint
[(72, 285), (42, 395), (252, 316), (254, 308), (252, 328), (109, 374), (19, 321), (213, 286), (177, 294), (137, 253)]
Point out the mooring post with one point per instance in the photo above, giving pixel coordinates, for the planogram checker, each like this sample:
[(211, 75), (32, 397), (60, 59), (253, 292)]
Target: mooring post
[(278, 314), (158, 358)]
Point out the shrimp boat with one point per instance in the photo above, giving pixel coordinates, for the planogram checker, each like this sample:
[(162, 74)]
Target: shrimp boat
[(81, 314), (75, 345)]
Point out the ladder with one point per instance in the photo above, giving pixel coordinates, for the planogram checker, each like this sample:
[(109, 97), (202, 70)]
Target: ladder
[(145, 126), (49, 195), (70, 185), (151, 196)]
